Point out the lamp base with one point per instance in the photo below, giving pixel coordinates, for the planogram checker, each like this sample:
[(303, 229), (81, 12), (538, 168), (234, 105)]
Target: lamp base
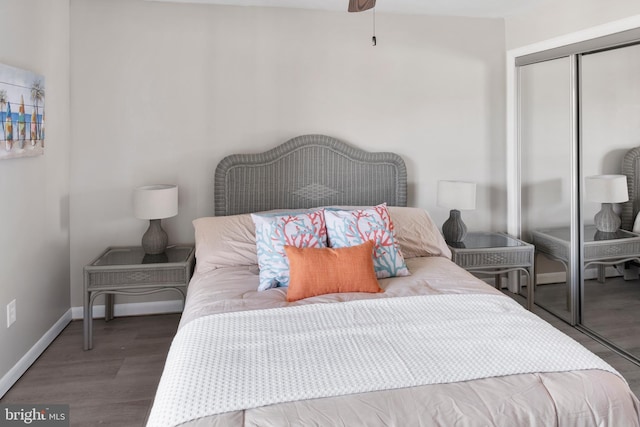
[(607, 220), (155, 239), (453, 229)]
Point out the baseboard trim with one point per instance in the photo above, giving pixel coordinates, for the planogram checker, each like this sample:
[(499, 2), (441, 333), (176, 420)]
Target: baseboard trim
[(561, 276), (14, 374), (133, 309), (554, 277)]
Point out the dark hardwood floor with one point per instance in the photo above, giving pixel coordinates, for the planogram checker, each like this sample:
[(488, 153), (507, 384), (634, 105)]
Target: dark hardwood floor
[(610, 308), (114, 384), (111, 385)]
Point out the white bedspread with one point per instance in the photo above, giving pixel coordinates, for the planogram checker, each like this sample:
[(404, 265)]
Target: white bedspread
[(240, 360)]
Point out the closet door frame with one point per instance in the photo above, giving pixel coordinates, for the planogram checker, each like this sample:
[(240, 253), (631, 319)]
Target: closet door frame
[(574, 270)]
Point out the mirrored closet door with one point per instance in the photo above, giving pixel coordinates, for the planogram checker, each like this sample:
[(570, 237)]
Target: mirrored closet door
[(546, 177), (610, 128), (579, 142)]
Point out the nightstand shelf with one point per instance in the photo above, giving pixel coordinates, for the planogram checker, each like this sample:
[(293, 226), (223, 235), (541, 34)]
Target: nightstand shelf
[(497, 254), (128, 271)]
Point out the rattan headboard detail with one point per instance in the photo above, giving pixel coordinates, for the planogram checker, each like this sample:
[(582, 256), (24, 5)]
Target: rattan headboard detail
[(631, 168), (308, 171)]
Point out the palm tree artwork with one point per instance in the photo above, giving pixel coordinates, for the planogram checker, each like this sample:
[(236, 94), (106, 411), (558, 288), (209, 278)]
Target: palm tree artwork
[(24, 92), (37, 95)]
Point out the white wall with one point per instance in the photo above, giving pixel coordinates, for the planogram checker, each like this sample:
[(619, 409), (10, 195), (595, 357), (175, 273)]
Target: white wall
[(556, 18), (34, 192), (545, 144), (162, 92), (610, 98)]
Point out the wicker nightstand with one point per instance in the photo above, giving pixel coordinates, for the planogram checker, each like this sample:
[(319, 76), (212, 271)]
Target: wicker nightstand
[(495, 253), (128, 271)]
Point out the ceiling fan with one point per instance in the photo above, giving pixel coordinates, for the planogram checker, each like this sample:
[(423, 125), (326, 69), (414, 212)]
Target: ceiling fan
[(361, 5)]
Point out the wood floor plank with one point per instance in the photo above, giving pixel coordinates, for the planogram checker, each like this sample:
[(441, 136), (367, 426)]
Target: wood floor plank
[(610, 309), (111, 385), (112, 415)]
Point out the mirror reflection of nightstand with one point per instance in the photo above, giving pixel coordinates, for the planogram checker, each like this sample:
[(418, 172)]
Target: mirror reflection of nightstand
[(600, 249), (497, 254)]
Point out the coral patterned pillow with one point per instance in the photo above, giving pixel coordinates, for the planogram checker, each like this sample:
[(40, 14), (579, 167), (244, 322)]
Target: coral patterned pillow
[(354, 227), (275, 231)]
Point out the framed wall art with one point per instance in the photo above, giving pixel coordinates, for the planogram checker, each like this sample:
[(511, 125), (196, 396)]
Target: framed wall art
[(22, 105)]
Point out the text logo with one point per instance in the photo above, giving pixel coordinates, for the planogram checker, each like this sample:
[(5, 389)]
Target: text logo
[(34, 415)]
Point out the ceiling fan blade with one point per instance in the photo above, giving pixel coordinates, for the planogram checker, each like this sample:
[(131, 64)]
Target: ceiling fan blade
[(361, 5)]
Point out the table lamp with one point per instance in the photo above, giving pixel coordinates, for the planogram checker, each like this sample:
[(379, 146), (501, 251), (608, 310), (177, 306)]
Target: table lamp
[(154, 202), (607, 189), (457, 196)]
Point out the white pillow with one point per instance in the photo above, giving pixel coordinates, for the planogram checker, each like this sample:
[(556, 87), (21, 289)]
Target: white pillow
[(224, 241), (417, 234), (230, 241)]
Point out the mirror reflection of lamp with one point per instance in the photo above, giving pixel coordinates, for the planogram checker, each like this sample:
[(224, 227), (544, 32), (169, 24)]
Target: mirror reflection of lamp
[(457, 196), (607, 189), (155, 202)]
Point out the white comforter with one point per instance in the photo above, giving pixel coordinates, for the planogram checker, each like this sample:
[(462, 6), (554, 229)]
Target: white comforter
[(240, 360)]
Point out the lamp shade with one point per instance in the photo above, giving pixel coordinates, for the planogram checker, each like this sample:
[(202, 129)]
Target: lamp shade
[(155, 201), (459, 195), (606, 188)]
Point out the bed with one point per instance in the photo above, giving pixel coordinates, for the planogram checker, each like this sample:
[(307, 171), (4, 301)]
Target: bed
[(435, 347)]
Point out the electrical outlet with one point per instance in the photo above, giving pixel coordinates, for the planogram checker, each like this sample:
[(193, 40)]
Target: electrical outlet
[(11, 313)]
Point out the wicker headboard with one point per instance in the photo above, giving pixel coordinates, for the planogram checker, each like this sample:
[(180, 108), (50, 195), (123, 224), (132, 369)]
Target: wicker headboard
[(631, 168), (308, 171)]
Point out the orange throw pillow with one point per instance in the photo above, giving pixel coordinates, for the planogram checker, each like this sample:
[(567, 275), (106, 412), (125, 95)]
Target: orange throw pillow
[(318, 271)]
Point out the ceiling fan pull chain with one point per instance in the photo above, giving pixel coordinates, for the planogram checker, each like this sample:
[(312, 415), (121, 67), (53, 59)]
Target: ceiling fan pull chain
[(373, 39)]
